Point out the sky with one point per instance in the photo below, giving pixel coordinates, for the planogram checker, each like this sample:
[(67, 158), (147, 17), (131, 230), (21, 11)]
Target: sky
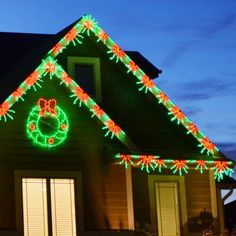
[(192, 42)]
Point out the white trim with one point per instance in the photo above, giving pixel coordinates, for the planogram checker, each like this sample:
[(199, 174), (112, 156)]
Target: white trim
[(95, 61), (129, 192)]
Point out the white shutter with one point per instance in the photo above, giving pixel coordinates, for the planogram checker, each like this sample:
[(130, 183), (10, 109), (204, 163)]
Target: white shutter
[(63, 207), (167, 209), (35, 207)]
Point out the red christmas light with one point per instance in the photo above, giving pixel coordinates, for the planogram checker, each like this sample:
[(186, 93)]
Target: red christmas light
[(115, 129), (51, 141), (163, 97), (63, 126), (201, 164), (149, 83), (179, 115), (160, 163), (103, 36), (87, 24), (180, 165), (133, 67), (47, 106), (57, 48), (32, 79), (192, 128), (220, 166), (118, 52), (50, 67), (18, 93), (125, 159), (79, 92), (207, 144), (71, 35), (66, 79), (32, 127), (4, 108), (97, 111), (147, 162)]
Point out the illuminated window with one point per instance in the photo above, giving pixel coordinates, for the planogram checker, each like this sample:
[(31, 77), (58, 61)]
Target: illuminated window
[(86, 72), (48, 207)]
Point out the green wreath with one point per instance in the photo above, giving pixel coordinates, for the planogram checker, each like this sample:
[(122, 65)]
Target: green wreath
[(47, 124)]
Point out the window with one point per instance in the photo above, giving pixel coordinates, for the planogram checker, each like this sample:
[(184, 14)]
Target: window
[(86, 72), (48, 205)]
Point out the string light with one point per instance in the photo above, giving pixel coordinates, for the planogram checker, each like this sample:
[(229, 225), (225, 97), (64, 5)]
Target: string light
[(153, 162)]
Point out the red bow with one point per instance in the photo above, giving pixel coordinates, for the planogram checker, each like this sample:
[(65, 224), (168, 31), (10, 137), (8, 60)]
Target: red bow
[(47, 106)]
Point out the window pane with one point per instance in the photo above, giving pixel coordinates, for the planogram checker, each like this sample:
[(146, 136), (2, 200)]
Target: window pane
[(84, 74), (35, 207), (167, 209), (63, 207)]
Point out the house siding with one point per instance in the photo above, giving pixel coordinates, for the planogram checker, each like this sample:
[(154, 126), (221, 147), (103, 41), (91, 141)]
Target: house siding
[(84, 150)]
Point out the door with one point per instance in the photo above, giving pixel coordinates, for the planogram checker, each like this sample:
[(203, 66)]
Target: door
[(167, 207)]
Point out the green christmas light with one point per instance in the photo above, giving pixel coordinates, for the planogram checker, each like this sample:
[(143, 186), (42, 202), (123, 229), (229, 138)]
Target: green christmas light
[(53, 118)]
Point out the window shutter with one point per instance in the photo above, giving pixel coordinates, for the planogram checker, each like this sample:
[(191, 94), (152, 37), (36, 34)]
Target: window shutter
[(167, 209), (35, 207), (63, 207)]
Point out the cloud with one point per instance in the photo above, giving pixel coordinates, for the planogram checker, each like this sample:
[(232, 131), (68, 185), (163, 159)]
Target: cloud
[(202, 34), (206, 88), (218, 26), (191, 111), (228, 148)]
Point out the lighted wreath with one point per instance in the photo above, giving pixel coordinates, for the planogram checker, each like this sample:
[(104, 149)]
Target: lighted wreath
[(47, 124)]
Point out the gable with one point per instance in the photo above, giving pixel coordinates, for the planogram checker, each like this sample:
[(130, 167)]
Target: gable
[(74, 40)]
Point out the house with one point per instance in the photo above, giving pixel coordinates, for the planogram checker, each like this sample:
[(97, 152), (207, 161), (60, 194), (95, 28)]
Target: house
[(89, 144)]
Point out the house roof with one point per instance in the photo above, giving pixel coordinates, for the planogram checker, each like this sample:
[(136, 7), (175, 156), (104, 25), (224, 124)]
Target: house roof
[(23, 52), (133, 61)]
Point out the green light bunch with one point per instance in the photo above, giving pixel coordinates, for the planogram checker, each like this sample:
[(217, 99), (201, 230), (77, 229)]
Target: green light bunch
[(48, 140)]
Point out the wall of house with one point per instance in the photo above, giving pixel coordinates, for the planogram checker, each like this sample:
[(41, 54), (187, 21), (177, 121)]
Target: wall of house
[(198, 200), (143, 118), (85, 150)]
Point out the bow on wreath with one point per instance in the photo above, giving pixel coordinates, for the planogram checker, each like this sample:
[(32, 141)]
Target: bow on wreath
[(47, 106)]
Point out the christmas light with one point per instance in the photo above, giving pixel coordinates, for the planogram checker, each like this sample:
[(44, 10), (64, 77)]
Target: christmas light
[(132, 67), (146, 82), (160, 164), (201, 165), (89, 25), (147, 162), (47, 109), (117, 52), (102, 36), (220, 168), (112, 128), (206, 144), (163, 98), (153, 162), (5, 110), (126, 160), (80, 95), (177, 113), (179, 165)]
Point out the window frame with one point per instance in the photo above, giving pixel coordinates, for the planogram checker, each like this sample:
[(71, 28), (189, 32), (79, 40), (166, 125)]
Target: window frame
[(19, 174), (95, 62)]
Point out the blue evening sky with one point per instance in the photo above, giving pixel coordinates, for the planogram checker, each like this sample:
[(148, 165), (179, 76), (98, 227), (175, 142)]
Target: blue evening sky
[(193, 42)]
